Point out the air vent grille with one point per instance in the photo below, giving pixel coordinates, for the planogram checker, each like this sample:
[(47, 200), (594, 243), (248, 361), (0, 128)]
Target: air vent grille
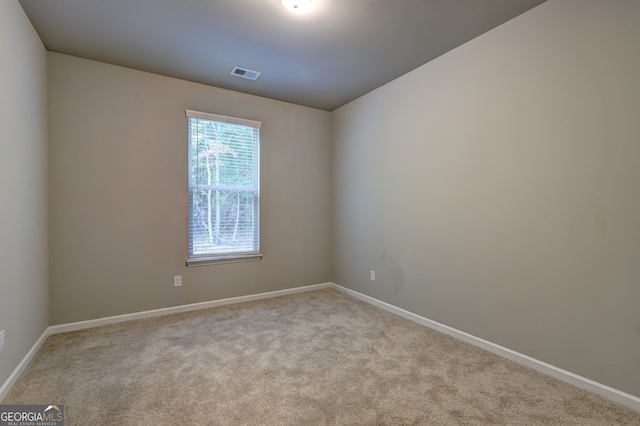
[(245, 73)]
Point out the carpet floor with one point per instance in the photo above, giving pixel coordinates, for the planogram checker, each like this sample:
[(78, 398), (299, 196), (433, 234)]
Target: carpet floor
[(317, 358)]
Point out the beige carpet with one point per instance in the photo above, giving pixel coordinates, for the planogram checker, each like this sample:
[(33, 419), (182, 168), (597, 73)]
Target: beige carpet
[(319, 358)]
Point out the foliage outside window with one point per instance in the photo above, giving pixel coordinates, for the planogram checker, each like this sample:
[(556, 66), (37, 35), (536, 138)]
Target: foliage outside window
[(224, 189)]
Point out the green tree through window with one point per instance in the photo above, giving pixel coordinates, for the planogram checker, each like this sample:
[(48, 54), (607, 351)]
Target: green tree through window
[(224, 188)]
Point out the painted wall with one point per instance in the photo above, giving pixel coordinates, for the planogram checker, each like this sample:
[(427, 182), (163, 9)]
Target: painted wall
[(496, 189), (24, 308), (118, 192)]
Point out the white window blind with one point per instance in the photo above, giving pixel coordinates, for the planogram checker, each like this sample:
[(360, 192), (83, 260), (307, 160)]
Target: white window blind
[(224, 189)]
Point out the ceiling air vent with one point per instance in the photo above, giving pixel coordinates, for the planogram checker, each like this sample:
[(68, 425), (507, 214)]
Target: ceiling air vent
[(245, 73)]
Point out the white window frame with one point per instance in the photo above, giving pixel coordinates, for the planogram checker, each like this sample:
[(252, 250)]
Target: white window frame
[(234, 256)]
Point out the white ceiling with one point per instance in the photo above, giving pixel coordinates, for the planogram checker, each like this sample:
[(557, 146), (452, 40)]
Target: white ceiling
[(324, 57)]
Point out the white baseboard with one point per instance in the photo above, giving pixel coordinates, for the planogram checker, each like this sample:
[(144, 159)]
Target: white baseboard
[(13, 378), (605, 391), (81, 325), (63, 328), (610, 393)]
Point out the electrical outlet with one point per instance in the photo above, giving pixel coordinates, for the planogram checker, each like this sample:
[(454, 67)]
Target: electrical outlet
[(1, 340), (177, 281), (373, 275)]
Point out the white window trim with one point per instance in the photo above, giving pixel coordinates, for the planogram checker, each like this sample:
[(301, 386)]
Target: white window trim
[(223, 118), (211, 259), (218, 259)]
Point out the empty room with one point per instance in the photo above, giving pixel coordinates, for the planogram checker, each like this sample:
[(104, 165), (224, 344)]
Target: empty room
[(322, 212)]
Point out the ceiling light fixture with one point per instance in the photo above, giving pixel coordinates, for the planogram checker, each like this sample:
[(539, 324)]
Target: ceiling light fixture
[(297, 4)]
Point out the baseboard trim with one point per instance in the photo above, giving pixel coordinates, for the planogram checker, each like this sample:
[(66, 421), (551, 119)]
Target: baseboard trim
[(81, 325), (15, 375), (605, 391)]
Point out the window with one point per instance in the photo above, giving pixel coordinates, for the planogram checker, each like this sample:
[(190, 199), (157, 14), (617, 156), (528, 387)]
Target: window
[(224, 189)]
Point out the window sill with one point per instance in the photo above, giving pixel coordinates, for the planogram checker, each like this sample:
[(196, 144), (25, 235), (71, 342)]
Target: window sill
[(216, 260)]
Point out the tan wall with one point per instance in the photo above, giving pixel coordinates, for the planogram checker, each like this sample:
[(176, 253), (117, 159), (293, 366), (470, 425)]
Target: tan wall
[(24, 309), (497, 189), (493, 189), (118, 192)]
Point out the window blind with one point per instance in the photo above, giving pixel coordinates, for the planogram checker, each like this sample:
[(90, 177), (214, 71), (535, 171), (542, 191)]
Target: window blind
[(224, 188)]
